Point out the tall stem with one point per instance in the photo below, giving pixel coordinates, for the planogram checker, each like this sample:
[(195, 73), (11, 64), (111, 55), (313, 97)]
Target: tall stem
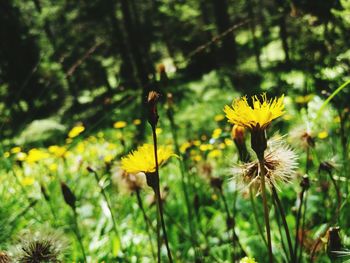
[(77, 232), (260, 230), (284, 222), (109, 205), (192, 227), (302, 229), (158, 198), (266, 209), (146, 219), (298, 222)]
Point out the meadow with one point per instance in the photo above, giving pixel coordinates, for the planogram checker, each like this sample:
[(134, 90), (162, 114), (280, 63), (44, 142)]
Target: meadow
[(174, 131)]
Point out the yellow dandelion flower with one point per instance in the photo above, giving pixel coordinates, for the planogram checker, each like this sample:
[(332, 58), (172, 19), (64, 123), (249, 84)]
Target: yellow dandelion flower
[(75, 131), (216, 133), (7, 154), (228, 142), (137, 122), (247, 260), (323, 135), (27, 181), (16, 149), (35, 155), (159, 131), (142, 160), (184, 147), (53, 167), (259, 116), (219, 117), (214, 153), (108, 158), (58, 151), (119, 124)]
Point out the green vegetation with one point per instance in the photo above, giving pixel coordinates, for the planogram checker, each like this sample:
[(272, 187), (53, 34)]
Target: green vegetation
[(91, 90)]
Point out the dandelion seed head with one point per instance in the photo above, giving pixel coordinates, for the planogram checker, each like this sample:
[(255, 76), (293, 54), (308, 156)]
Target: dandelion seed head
[(280, 166)]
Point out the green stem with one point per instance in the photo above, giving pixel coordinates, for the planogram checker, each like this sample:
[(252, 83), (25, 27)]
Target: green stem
[(159, 200), (284, 222), (302, 229), (298, 222), (148, 223), (104, 194), (77, 233), (256, 217), (266, 209)]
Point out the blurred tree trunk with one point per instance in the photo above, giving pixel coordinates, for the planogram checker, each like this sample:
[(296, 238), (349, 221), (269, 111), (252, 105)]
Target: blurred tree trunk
[(252, 27), (281, 22), (135, 44), (119, 46), (222, 20)]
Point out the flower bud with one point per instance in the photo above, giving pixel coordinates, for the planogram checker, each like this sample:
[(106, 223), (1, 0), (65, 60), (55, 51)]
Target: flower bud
[(68, 196)]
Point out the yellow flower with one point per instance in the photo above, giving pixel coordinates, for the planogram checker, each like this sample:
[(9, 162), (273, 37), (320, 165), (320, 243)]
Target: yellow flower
[(7, 154), (35, 155), (142, 160), (257, 117), (247, 260), (159, 131), (58, 151), (16, 149), (119, 124), (108, 158), (184, 147), (137, 122), (75, 131), (53, 167), (219, 117), (27, 181), (323, 135), (216, 133), (214, 153)]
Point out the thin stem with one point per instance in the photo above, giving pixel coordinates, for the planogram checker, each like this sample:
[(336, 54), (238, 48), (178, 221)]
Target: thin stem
[(256, 217), (104, 194), (338, 195), (284, 222), (281, 235), (148, 223), (266, 209), (298, 222), (229, 221), (158, 198), (302, 229), (183, 183), (77, 233)]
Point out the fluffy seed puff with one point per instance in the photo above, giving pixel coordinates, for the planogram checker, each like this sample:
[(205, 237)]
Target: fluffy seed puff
[(280, 166)]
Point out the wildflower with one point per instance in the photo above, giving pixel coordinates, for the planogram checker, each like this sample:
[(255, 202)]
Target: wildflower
[(137, 122), (75, 131), (280, 163), (142, 160), (153, 113), (247, 260), (323, 135), (58, 151), (27, 181), (238, 133), (68, 195), (40, 248), (159, 131), (35, 155), (216, 133), (214, 153), (16, 149), (257, 117), (119, 124), (219, 117)]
